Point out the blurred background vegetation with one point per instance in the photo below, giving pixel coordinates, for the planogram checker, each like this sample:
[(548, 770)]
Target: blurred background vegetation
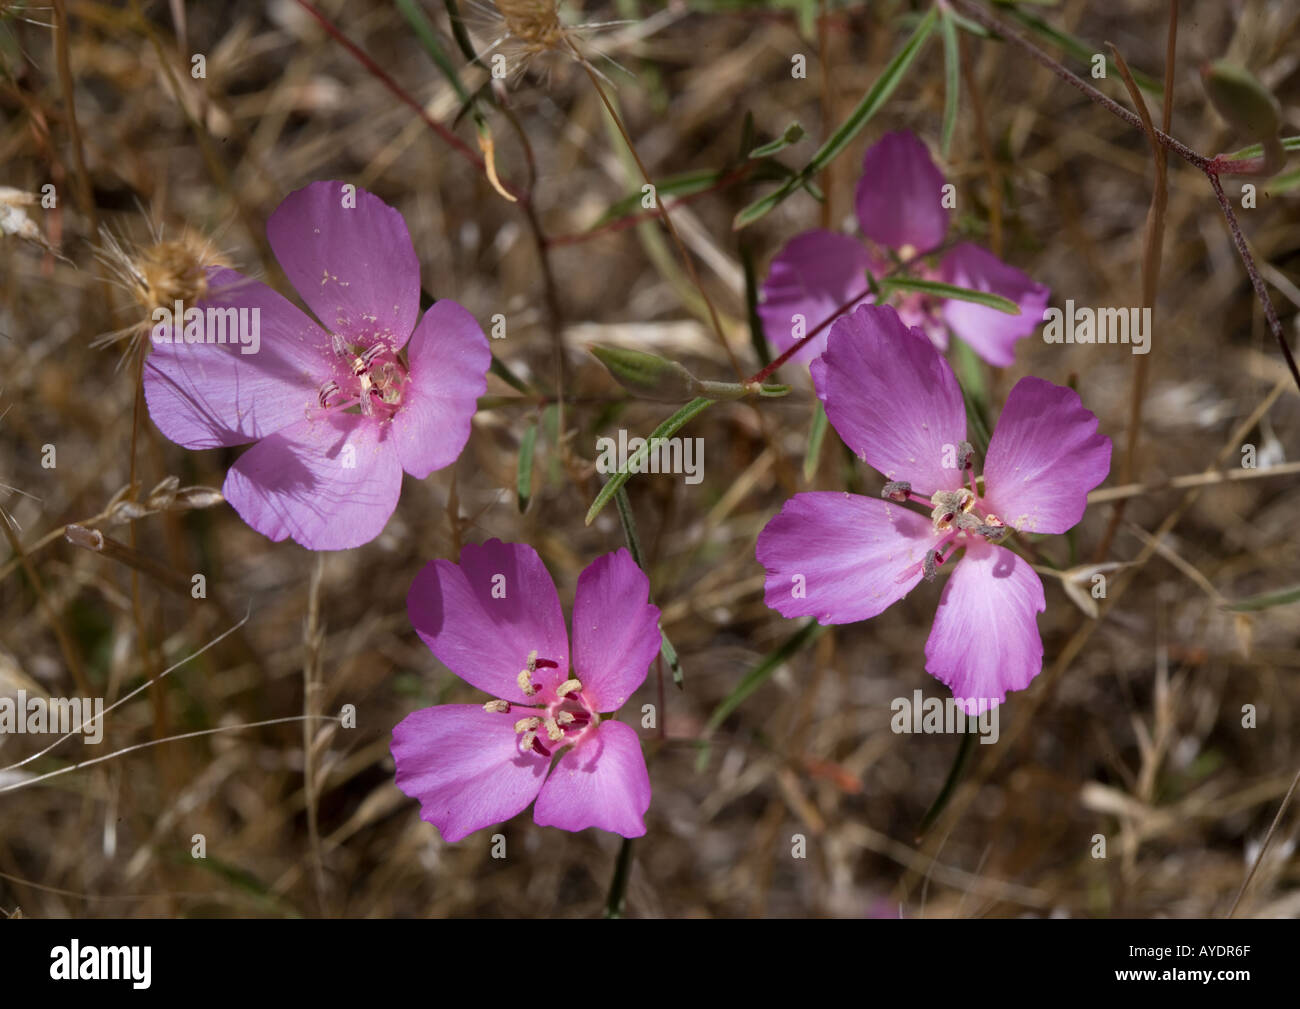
[(1133, 731)]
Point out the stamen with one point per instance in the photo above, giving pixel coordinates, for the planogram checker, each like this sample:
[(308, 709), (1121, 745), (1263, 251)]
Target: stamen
[(527, 725), (948, 504), (896, 490), (553, 730), (326, 391), (528, 741), (568, 687), (525, 681), (564, 718), (497, 707)]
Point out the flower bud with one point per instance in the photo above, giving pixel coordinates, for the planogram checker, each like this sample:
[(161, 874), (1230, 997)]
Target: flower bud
[(1241, 100), (648, 375)]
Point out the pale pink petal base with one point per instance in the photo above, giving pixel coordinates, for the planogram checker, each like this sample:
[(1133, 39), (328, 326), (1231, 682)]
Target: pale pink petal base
[(985, 637), (841, 557), (601, 783), (464, 766), (1044, 457), (615, 630), (330, 483), (483, 617)]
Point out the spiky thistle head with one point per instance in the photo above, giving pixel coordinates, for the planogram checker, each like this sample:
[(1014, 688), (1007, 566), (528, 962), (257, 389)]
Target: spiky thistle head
[(535, 24), (157, 274), (526, 31)]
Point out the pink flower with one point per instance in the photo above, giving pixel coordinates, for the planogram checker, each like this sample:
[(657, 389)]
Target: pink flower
[(337, 410), (495, 621), (842, 557), (900, 208)]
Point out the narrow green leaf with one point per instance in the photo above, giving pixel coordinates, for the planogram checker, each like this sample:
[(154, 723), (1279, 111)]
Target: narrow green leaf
[(754, 679), (429, 39), (665, 430), (1255, 150), (1078, 48), (669, 653), (975, 393), (628, 520), (964, 750), (503, 372), (792, 135), (524, 474), (813, 190), (969, 26), (951, 77), (939, 290), (757, 676), (1284, 183), (875, 98), (764, 205), (1266, 600), (677, 185), (757, 334), (747, 136), (858, 118), (459, 32), (816, 434)]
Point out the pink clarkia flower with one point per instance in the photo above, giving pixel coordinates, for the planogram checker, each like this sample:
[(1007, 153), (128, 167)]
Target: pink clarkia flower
[(336, 409), (843, 557), (899, 207), (495, 620)]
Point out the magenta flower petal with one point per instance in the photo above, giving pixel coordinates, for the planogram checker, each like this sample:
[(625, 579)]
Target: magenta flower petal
[(1044, 456), (202, 395), (449, 359), (899, 197), (485, 616), (330, 483), (991, 334), (615, 630), (464, 766), (354, 266), (985, 636), (893, 399), (601, 783), (841, 557), (812, 276)]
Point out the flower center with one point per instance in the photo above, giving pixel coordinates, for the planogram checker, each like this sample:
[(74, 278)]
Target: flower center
[(957, 515), (369, 378), (564, 721)]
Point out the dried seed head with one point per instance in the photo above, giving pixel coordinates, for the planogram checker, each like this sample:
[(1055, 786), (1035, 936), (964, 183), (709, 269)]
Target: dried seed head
[(157, 275), (534, 23)]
